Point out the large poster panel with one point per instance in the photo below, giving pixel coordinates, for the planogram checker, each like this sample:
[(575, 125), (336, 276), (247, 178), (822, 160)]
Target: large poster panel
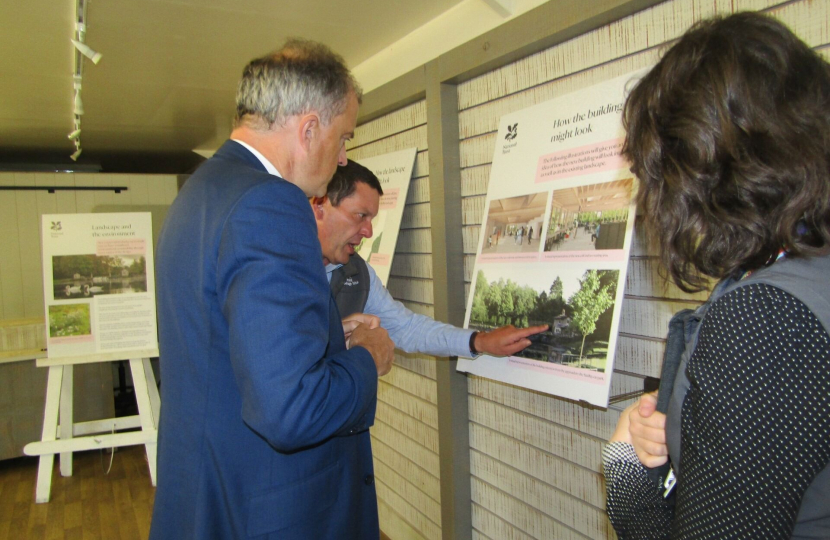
[(99, 286), (394, 171), (553, 247)]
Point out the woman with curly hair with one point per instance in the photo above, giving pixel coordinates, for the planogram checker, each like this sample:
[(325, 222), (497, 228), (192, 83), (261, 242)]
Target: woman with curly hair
[(729, 136)]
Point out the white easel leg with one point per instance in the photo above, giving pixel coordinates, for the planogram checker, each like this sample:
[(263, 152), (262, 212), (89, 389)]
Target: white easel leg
[(145, 411), (50, 426), (66, 417)]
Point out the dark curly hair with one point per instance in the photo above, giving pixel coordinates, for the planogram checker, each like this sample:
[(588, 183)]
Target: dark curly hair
[(729, 135)]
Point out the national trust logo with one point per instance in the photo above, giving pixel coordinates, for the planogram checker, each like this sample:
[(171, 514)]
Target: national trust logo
[(509, 138), (56, 229)]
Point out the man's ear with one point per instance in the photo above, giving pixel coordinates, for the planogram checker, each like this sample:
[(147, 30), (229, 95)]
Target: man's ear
[(318, 206), (308, 130)]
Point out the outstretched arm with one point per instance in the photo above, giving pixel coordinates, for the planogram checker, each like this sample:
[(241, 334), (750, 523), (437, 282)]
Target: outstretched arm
[(506, 340)]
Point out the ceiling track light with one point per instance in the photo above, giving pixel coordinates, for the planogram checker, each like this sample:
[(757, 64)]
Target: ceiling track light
[(87, 51), (79, 105), (81, 50)]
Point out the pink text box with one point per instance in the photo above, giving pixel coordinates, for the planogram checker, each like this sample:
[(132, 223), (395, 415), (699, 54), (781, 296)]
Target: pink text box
[(589, 159)]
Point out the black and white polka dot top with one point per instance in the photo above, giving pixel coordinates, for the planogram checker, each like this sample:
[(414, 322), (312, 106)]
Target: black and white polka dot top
[(755, 431)]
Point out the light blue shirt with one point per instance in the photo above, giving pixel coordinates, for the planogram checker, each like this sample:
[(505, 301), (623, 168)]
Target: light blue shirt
[(410, 331)]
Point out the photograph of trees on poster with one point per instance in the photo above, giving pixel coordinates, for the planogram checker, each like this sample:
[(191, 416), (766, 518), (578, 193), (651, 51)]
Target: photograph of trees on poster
[(578, 308), (79, 276)]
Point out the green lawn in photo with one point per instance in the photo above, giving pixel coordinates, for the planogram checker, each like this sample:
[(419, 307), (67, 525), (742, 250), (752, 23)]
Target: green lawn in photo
[(69, 320)]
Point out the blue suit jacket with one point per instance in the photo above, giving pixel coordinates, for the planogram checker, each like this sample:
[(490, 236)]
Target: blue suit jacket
[(265, 414)]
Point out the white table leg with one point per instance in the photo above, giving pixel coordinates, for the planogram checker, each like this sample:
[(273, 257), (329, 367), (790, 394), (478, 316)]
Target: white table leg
[(145, 411), (50, 426), (67, 418)]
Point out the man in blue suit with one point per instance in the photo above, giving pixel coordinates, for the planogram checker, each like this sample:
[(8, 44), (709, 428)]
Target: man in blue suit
[(264, 424)]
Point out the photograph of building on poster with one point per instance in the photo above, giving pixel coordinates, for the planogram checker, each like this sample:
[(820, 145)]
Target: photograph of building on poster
[(589, 217), (80, 276), (578, 305), (514, 225)]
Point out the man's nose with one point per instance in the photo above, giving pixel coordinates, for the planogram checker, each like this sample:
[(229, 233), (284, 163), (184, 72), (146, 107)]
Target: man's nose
[(367, 229)]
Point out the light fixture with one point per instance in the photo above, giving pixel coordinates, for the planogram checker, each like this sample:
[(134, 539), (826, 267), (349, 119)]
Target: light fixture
[(76, 155), (79, 105), (74, 135), (85, 50)]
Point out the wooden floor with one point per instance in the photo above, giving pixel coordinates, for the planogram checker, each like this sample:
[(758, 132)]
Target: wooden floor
[(88, 504)]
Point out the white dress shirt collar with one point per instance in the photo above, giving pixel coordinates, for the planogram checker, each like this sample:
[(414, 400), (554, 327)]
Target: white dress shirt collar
[(265, 163)]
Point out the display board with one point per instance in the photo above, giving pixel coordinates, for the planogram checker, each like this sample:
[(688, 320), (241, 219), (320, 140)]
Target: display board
[(99, 286), (394, 170), (554, 243)]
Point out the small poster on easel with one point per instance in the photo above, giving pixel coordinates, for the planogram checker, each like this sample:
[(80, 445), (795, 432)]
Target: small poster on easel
[(99, 287)]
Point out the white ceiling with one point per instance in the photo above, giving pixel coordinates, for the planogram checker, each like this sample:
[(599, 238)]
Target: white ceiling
[(167, 79)]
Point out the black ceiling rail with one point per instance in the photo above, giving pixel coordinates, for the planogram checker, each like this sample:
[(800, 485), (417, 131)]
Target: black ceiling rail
[(52, 189)]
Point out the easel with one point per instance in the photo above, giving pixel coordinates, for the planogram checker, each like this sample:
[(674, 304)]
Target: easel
[(67, 436)]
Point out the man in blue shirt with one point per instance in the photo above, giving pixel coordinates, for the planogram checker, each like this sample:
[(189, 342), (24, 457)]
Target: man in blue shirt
[(344, 218)]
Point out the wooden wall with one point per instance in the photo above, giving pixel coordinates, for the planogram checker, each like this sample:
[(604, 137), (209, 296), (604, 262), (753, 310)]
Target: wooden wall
[(535, 465)]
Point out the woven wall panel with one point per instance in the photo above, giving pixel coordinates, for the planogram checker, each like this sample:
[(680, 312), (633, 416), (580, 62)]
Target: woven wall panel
[(417, 363), (417, 137), (625, 384), (414, 241), (472, 210), (469, 235), (584, 518), (647, 318), (421, 168), (644, 279), (420, 417), (419, 522), (412, 383), (494, 526), (402, 486), (410, 289), (591, 421), (576, 447), (649, 28), (390, 124), (577, 481), (640, 356), (474, 180), (527, 519), (412, 265), (416, 216), (418, 191), (395, 526), (416, 453), (419, 477)]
